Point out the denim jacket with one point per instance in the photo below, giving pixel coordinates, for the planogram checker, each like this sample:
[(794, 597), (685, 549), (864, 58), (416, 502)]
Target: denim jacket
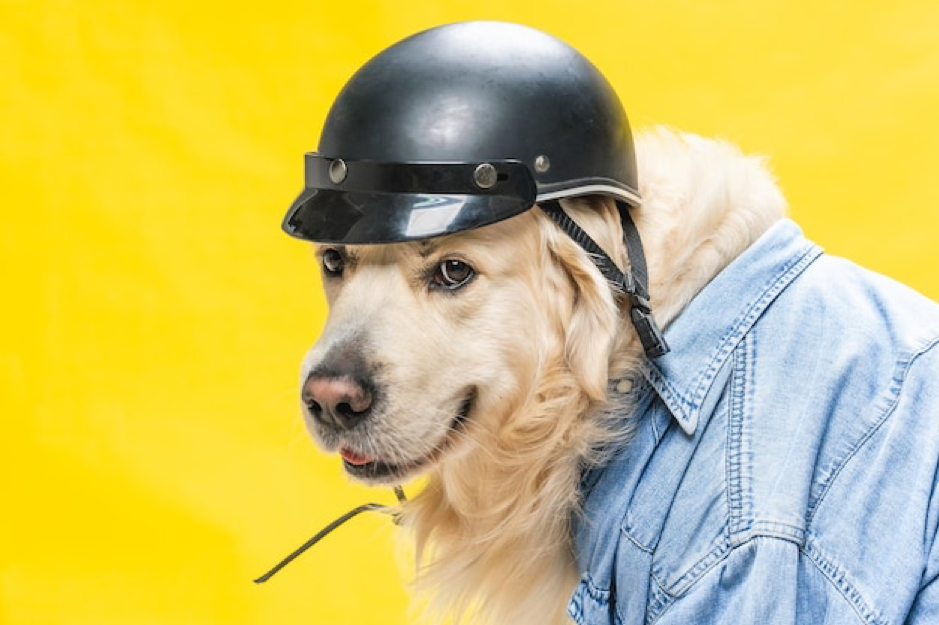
[(785, 460)]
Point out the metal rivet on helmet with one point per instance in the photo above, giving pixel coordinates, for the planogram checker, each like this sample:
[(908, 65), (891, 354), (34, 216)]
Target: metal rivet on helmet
[(542, 164), (485, 176), (338, 171)]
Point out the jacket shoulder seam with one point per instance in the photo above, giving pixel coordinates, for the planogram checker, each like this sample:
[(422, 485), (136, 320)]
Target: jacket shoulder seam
[(901, 370)]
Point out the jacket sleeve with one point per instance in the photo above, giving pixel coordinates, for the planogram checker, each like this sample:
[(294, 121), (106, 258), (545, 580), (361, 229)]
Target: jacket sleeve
[(768, 579)]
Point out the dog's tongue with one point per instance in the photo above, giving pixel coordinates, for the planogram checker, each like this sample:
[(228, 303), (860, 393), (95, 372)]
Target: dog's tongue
[(353, 458)]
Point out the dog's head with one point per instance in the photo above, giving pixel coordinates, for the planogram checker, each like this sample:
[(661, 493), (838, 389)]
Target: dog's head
[(431, 344)]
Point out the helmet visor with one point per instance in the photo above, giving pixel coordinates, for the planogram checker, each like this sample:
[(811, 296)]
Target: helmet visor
[(359, 202)]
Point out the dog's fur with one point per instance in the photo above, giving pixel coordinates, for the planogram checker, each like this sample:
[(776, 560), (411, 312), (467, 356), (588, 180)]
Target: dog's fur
[(534, 340)]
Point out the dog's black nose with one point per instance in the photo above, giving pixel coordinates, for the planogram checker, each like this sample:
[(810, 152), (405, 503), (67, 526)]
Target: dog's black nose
[(339, 402)]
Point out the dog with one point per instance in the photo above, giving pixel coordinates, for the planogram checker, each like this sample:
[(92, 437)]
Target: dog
[(484, 359)]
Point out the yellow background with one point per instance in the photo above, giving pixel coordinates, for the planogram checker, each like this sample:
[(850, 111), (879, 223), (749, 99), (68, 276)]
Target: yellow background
[(153, 315)]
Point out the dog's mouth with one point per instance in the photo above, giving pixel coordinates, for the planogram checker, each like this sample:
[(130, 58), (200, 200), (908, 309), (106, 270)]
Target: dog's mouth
[(367, 468)]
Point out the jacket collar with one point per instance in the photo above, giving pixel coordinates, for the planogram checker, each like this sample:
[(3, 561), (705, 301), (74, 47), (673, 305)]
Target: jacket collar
[(711, 326)]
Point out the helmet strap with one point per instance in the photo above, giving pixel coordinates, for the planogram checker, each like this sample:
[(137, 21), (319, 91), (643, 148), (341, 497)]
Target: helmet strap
[(632, 284)]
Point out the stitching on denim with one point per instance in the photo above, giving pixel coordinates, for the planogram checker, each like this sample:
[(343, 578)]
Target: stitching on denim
[(662, 587), (660, 599), (775, 530), (835, 574), (690, 577), (635, 541), (575, 607), (729, 341), (837, 577), (700, 385), (739, 488), (600, 595), (896, 386), (667, 392), (684, 584), (587, 591), (761, 529)]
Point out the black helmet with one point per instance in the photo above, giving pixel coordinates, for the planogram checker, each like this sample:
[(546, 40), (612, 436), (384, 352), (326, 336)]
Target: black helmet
[(458, 127), (464, 125)]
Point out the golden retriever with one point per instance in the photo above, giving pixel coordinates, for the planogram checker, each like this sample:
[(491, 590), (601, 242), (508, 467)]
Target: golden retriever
[(498, 362)]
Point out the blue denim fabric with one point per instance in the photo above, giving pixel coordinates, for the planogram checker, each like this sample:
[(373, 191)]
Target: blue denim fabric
[(786, 456)]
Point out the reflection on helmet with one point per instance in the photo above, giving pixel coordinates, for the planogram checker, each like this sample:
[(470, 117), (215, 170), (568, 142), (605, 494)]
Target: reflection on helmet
[(458, 127)]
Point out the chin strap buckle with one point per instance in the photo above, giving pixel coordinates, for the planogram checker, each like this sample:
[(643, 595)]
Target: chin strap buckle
[(653, 342), (633, 283)]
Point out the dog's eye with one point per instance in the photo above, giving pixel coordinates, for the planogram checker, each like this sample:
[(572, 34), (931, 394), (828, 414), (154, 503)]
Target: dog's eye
[(452, 274), (333, 262)]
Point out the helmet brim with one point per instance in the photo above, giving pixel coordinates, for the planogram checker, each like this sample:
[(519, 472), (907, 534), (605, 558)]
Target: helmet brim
[(330, 216), (360, 202)]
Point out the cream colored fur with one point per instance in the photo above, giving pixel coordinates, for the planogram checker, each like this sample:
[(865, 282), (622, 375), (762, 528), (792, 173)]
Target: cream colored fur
[(537, 336)]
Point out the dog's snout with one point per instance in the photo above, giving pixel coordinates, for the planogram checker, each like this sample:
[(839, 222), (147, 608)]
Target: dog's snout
[(336, 401)]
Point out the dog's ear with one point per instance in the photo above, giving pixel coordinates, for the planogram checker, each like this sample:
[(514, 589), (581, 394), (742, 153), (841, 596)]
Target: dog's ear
[(591, 313)]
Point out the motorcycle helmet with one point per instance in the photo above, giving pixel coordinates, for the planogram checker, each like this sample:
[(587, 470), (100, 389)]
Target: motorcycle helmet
[(465, 125), (458, 127)]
